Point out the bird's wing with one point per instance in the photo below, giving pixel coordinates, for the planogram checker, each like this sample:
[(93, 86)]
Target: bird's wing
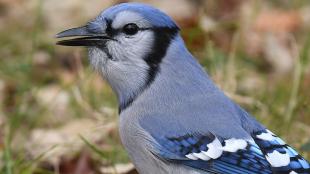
[(213, 154), (208, 152)]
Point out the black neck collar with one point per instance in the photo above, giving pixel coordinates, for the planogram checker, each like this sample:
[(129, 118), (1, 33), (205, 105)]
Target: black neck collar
[(162, 39)]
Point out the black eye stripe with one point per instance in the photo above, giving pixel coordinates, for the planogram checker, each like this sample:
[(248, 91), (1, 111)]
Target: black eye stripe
[(114, 32), (109, 30)]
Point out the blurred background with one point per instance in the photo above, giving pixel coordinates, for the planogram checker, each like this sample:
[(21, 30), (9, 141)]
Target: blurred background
[(58, 116)]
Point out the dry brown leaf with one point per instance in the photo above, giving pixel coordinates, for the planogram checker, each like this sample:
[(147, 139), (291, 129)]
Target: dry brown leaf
[(65, 139), (119, 169), (82, 164), (41, 58), (278, 21), (55, 100), (278, 54)]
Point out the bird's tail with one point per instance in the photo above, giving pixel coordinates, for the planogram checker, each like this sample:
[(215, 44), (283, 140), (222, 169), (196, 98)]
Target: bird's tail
[(282, 158)]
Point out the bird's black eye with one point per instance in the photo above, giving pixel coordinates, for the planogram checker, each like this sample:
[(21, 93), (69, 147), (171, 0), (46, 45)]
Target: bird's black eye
[(130, 29)]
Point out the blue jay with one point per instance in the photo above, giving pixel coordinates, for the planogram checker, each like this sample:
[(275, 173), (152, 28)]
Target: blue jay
[(173, 119)]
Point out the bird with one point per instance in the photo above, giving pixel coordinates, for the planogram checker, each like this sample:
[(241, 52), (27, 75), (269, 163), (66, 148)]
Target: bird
[(172, 117)]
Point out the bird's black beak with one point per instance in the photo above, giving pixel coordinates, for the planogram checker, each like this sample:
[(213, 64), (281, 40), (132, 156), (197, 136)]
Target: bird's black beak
[(81, 37)]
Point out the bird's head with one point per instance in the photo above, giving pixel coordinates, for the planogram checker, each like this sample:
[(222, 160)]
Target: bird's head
[(126, 43)]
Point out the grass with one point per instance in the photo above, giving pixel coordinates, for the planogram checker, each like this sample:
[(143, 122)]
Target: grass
[(281, 104)]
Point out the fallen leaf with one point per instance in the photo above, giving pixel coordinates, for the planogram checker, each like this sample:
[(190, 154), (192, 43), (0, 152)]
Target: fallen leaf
[(65, 139), (119, 169), (278, 21), (55, 100)]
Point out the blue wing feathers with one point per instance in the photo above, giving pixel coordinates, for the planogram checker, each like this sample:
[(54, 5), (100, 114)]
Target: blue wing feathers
[(270, 143), (257, 157), (187, 143), (249, 160)]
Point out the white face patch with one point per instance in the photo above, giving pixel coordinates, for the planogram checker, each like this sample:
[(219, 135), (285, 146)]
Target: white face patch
[(132, 47), (127, 71), (293, 172), (277, 159), (127, 17), (97, 58)]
